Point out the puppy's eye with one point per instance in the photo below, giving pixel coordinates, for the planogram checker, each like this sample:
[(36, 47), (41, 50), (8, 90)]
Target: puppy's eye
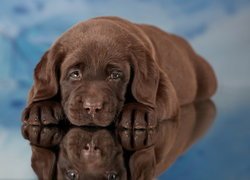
[(112, 176), (72, 174), (115, 75), (75, 75)]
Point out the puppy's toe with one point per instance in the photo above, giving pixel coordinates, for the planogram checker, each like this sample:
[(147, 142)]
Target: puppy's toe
[(125, 121), (139, 120), (34, 116), (151, 119)]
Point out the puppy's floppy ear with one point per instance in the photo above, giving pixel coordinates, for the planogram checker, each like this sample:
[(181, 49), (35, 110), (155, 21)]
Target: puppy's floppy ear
[(43, 162), (146, 78), (46, 76), (142, 164)]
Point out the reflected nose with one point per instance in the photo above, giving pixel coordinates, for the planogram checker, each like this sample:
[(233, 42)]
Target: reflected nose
[(92, 106), (91, 149)]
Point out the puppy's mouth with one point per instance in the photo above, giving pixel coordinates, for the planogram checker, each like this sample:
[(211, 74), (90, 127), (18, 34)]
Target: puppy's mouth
[(80, 118)]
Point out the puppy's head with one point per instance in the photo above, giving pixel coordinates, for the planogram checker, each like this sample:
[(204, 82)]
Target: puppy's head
[(93, 69), (93, 83)]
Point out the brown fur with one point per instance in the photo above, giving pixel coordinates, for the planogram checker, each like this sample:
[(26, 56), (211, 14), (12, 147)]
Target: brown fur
[(160, 72)]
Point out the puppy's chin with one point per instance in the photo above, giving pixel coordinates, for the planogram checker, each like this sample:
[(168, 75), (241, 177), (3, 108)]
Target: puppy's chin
[(80, 119)]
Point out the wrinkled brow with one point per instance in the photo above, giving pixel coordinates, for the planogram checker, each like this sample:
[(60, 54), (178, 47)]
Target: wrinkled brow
[(71, 61), (115, 64)]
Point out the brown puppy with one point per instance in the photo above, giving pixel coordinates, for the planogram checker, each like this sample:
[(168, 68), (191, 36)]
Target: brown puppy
[(107, 66)]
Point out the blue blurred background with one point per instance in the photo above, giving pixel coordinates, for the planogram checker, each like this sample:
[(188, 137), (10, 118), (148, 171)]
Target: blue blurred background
[(219, 30)]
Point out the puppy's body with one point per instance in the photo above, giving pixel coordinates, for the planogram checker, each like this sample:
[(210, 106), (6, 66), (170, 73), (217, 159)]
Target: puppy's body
[(160, 72), (191, 76)]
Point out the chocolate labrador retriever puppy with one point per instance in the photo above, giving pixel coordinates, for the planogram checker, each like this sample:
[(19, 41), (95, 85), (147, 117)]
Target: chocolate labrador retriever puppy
[(108, 67)]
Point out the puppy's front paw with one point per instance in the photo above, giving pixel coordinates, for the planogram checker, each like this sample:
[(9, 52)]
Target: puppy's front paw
[(137, 116), (44, 112)]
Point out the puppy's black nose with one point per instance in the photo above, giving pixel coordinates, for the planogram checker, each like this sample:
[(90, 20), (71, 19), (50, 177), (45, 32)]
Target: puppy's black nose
[(92, 106)]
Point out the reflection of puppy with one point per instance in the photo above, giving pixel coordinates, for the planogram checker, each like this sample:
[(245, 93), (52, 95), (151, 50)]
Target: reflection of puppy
[(80, 154), (172, 139), (108, 65), (44, 142), (87, 154)]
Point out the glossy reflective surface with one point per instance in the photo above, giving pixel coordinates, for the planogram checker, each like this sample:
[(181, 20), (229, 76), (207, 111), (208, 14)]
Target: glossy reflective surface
[(101, 153), (212, 149)]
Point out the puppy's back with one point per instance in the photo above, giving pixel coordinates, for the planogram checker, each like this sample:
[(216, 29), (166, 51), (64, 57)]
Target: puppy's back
[(192, 76)]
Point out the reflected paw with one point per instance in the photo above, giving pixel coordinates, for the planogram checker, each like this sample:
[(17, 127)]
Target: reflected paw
[(134, 140), (42, 136)]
